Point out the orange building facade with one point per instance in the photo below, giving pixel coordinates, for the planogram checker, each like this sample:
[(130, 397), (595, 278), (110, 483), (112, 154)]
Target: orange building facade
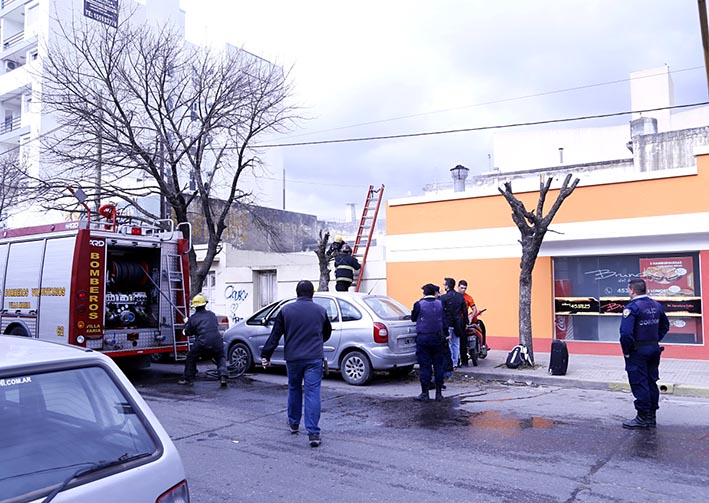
[(653, 225)]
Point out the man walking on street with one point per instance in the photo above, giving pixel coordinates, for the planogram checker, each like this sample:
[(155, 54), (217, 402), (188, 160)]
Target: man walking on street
[(430, 340), (643, 326), (204, 327), (306, 326)]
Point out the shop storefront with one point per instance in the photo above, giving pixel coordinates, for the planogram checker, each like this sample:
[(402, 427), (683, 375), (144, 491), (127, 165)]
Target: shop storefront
[(590, 294)]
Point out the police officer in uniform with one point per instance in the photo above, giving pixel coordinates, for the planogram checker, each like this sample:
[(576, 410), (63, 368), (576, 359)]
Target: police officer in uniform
[(345, 267), (643, 326), (430, 328)]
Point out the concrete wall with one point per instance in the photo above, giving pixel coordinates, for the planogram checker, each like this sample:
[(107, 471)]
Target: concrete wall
[(673, 149)]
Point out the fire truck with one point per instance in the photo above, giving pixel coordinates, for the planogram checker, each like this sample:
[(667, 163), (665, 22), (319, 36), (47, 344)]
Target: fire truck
[(120, 288)]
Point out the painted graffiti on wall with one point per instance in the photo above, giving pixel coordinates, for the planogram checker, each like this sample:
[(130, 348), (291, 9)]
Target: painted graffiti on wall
[(234, 299)]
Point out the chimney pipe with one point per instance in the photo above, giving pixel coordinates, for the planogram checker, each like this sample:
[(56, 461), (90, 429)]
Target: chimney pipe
[(459, 174), (561, 155)]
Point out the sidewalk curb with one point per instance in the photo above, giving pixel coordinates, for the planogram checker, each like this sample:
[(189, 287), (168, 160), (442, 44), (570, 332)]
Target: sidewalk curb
[(567, 382)]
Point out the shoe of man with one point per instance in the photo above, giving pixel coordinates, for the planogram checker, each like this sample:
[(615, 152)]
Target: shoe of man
[(439, 396), (639, 422), (184, 382), (222, 381), (314, 440), (293, 428)]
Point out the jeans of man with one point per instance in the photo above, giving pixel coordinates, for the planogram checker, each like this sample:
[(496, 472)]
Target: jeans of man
[(304, 378), (454, 344), (643, 371), (196, 352)]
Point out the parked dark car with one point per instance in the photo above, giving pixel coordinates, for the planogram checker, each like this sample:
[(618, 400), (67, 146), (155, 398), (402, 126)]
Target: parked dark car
[(369, 332)]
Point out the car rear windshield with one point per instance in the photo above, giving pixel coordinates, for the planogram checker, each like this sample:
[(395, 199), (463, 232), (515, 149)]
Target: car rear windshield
[(55, 423), (387, 308)]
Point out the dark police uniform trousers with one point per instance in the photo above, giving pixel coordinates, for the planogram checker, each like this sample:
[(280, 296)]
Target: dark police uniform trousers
[(429, 352)]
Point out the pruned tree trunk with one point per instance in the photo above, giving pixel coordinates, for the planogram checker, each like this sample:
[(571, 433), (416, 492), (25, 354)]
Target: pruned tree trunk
[(532, 225), (324, 259)]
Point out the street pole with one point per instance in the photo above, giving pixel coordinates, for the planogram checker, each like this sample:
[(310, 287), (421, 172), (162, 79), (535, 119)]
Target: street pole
[(705, 35)]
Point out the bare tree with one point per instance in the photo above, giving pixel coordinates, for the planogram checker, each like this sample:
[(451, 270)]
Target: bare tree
[(143, 116), (13, 181), (533, 225)]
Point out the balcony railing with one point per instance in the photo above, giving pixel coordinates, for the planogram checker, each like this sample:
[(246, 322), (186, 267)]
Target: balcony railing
[(10, 124), (5, 3), (13, 40)]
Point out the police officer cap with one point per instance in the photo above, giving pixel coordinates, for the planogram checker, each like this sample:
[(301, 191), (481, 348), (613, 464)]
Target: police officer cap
[(429, 289)]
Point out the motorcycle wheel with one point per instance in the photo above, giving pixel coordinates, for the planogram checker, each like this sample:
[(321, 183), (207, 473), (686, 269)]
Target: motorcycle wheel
[(473, 351)]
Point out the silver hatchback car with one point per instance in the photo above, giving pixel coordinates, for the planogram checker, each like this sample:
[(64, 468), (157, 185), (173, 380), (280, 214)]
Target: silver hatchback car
[(369, 332), (73, 428)]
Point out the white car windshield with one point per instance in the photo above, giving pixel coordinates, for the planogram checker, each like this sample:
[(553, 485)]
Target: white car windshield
[(54, 423)]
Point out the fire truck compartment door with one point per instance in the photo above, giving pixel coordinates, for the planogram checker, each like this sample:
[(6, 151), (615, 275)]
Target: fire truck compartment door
[(55, 290)]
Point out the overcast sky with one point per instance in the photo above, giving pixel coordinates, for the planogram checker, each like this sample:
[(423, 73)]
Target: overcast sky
[(372, 68)]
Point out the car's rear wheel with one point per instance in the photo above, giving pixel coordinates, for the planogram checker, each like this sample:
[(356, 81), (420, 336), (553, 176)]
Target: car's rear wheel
[(239, 359), (356, 369)]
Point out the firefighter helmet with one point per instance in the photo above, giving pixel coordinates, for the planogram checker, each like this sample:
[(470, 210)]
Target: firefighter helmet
[(347, 248), (199, 300), (339, 239)]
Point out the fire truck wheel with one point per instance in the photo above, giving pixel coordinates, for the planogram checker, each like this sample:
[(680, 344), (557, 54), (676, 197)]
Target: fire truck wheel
[(18, 330), (239, 359)]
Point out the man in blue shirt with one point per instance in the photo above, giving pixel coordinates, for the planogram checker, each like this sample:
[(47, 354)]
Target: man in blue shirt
[(306, 326), (643, 326)]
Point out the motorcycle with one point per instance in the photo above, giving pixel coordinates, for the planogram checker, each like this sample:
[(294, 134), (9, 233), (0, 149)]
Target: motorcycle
[(476, 333)]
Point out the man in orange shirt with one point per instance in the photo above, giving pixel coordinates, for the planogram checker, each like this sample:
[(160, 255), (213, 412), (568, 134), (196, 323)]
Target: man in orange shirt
[(469, 301)]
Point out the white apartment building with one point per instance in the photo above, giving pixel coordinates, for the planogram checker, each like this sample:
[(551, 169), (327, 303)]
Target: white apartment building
[(26, 28)]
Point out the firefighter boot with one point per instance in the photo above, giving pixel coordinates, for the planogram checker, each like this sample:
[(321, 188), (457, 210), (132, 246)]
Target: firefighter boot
[(640, 422), (439, 395)]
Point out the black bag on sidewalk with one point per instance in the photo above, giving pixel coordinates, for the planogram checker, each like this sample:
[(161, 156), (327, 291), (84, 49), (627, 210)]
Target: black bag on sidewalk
[(559, 358)]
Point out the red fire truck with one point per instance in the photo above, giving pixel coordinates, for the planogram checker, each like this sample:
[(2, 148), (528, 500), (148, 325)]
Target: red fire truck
[(120, 288)]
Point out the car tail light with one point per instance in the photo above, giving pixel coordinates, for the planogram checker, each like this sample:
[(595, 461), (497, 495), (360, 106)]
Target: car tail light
[(178, 494), (381, 334)]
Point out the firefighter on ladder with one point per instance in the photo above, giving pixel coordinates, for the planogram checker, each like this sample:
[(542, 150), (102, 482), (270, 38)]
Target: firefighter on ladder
[(345, 267)]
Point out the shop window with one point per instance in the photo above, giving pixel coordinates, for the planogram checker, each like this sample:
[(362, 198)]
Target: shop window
[(591, 292)]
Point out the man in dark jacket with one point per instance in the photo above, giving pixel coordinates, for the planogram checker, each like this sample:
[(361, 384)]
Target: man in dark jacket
[(204, 327), (345, 267), (643, 326), (456, 318), (306, 326), (430, 339)]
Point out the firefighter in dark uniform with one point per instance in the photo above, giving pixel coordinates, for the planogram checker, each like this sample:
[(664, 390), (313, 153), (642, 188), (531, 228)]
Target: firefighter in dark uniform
[(204, 327), (345, 267), (430, 340), (643, 326)]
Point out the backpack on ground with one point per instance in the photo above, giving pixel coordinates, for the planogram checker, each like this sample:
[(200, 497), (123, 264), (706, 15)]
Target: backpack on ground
[(517, 357)]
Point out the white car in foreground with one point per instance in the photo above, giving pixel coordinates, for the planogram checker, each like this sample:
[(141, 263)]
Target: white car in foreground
[(74, 429)]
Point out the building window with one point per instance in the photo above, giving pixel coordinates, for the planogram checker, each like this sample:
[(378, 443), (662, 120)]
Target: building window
[(591, 292)]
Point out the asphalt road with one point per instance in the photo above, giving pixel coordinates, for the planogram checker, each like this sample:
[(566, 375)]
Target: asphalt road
[(486, 442)]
